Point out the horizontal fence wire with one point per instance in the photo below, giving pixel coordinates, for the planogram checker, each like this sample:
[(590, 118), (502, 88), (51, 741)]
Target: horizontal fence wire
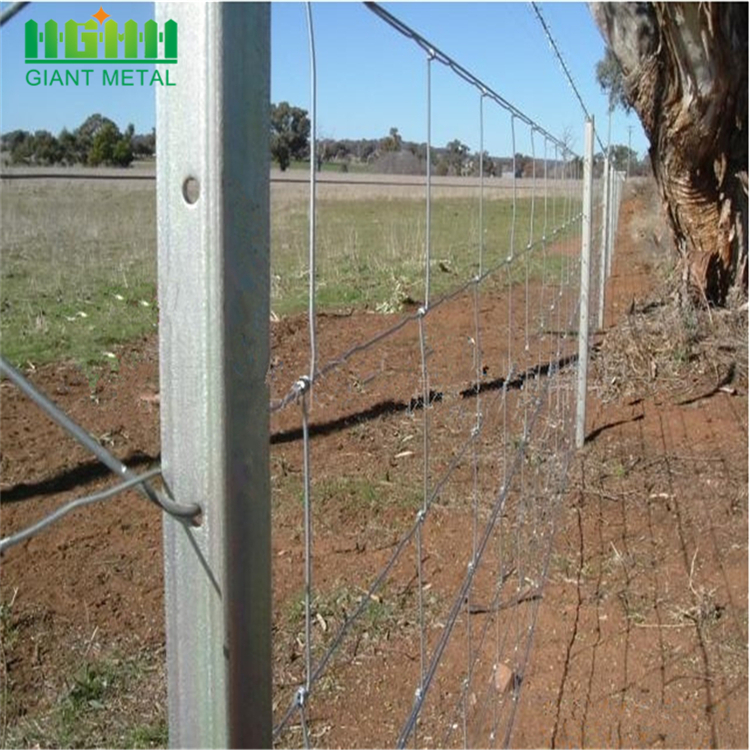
[(81, 502), (434, 53), (563, 65), (57, 415)]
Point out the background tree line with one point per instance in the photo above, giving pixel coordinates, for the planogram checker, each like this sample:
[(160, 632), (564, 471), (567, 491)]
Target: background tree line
[(97, 141), (391, 154)]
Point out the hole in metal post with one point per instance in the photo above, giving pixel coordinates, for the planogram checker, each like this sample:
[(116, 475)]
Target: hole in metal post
[(191, 190)]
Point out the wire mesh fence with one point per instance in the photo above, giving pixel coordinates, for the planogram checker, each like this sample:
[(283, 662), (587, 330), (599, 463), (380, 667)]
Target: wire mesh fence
[(423, 625), (418, 456)]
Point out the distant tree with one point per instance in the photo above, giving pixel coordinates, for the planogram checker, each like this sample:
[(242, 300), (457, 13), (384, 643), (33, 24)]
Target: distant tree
[(110, 147), (290, 133), (122, 154), (20, 145), (392, 142), (103, 144), (68, 150), (488, 165), (46, 149), (454, 157), (610, 79), (620, 153), (13, 139), (576, 166), (144, 144), (524, 166)]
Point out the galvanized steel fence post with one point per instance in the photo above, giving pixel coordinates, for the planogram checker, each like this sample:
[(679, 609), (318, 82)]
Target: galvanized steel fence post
[(605, 250), (612, 209), (583, 325), (213, 222)]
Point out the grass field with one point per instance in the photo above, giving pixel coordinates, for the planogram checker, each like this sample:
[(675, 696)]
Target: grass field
[(78, 262), (78, 269)]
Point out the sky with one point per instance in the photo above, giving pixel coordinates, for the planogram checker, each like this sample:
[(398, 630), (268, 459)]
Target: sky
[(370, 78)]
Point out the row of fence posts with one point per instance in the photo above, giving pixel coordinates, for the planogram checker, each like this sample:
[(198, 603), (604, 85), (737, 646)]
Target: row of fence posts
[(214, 289), (612, 182)]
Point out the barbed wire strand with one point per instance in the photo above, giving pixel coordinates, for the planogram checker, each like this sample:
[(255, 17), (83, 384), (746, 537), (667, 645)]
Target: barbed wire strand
[(11, 11), (55, 516), (563, 65), (58, 416), (449, 62)]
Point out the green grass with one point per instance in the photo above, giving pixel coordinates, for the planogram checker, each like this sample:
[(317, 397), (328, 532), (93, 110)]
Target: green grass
[(371, 253), (104, 703), (360, 495), (78, 260), (78, 272)]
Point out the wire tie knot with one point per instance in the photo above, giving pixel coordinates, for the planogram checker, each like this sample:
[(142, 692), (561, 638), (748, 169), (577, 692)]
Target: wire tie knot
[(302, 696), (418, 694), (302, 385), (420, 516), (422, 311)]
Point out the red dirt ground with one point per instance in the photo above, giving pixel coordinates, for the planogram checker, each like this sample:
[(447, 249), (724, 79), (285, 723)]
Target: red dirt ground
[(641, 638)]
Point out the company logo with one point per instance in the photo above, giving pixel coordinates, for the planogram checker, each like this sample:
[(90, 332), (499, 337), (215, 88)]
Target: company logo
[(99, 41)]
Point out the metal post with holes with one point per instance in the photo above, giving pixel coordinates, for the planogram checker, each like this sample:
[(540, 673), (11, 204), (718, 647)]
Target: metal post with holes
[(583, 324), (611, 220), (604, 259), (213, 227)]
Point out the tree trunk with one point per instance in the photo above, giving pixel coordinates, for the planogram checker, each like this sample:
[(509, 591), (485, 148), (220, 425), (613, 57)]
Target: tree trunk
[(685, 74)]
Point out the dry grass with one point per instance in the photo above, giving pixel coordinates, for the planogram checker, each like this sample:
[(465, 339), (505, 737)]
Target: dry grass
[(661, 342)]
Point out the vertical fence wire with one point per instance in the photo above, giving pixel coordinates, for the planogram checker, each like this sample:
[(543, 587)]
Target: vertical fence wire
[(313, 190), (428, 184)]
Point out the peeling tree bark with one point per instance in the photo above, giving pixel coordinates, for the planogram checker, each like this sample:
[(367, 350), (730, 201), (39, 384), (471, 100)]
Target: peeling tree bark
[(685, 69)]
